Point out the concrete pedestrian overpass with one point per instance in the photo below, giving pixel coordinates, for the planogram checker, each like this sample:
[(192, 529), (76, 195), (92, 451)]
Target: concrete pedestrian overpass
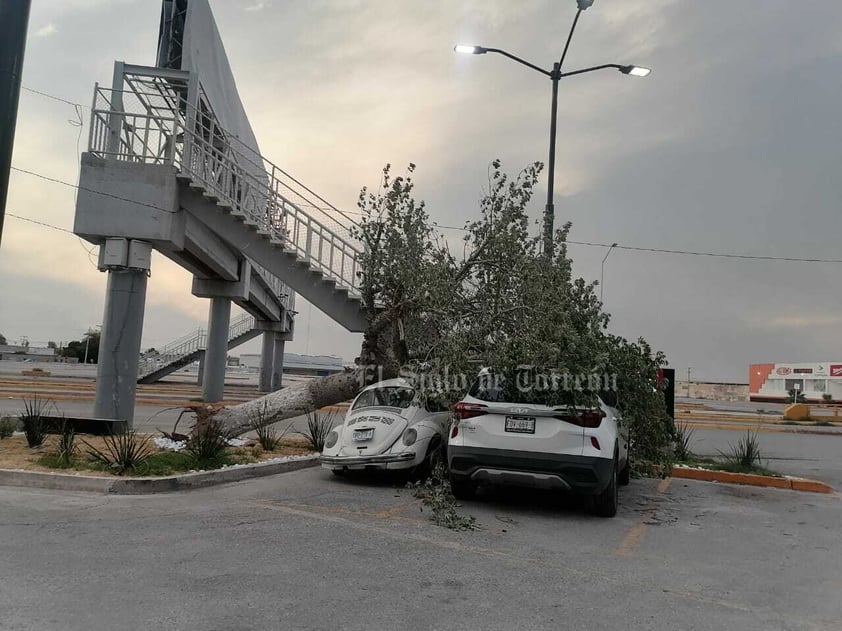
[(163, 172)]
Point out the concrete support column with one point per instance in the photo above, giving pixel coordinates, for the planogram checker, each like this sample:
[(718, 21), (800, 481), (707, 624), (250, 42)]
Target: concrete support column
[(278, 361), (119, 346), (216, 354), (201, 376), (267, 361)]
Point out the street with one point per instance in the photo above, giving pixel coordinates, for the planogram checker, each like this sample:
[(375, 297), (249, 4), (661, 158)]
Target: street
[(805, 455), (307, 551)]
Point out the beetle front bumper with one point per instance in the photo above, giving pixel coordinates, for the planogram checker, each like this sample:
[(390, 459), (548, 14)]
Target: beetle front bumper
[(380, 461)]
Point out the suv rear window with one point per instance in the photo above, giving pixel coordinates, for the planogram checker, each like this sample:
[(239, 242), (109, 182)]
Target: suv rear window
[(526, 387), (391, 396)]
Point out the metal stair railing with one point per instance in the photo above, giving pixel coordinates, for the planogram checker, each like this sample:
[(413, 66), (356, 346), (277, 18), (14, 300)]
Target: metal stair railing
[(230, 173), (189, 344)]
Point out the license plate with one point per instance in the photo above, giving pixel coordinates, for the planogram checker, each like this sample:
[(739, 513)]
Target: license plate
[(363, 434), (520, 424)]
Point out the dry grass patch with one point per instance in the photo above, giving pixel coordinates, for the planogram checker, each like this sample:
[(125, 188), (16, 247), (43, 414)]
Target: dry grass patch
[(15, 454)]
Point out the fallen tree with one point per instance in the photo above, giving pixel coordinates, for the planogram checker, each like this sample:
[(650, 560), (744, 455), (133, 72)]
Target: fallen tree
[(433, 315)]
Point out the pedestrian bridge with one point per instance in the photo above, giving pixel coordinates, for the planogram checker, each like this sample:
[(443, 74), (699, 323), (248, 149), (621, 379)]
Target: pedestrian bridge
[(161, 173)]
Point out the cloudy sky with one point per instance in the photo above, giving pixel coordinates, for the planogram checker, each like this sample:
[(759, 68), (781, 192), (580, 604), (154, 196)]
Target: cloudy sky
[(733, 144)]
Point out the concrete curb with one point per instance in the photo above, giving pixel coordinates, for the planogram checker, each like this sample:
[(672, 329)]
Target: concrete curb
[(780, 428), (794, 484), (144, 486)]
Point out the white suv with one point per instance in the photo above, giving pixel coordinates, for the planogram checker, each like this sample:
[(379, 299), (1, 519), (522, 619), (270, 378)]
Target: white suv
[(498, 441)]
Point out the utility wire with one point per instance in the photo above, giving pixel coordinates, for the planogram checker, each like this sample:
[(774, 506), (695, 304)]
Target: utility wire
[(724, 255), (90, 190), (40, 223), (54, 97), (631, 248)]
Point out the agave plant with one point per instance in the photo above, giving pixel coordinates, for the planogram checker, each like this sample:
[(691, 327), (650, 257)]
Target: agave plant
[(125, 451)]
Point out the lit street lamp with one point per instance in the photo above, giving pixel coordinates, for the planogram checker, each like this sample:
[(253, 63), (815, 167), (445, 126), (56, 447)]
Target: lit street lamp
[(555, 76), (602, 274)]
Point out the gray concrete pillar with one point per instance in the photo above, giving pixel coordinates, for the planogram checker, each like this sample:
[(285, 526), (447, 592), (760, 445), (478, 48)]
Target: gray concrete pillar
[(119, 345), (266, 361), (201, 376), (278, 362), (216, 354)]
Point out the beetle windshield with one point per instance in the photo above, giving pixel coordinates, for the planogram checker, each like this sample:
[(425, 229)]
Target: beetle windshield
[(391, 396)]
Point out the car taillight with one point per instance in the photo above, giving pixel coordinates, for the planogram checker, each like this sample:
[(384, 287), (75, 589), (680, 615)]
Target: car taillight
[(454, 431), (588, 418), (464, 410)]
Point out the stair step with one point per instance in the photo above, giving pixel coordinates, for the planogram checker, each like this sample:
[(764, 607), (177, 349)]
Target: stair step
[(211, 197)]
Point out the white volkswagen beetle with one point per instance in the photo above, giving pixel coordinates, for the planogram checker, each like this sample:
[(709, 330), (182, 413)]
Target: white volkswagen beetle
[(388, 426)]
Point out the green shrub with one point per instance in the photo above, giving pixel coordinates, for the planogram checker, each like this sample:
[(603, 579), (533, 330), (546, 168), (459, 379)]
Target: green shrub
[(683, 438), (319, 425), (744, 455), (208, 445), (267, 434), (33, 421), (66, 445), (7, 427), (123, 452)]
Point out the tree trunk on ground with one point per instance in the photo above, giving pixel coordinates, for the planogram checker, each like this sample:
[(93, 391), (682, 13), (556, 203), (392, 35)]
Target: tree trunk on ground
[(381, 347)]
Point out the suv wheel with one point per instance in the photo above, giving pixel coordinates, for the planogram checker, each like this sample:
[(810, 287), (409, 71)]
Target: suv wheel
[(605, 504), (462, 489), (624, 477)]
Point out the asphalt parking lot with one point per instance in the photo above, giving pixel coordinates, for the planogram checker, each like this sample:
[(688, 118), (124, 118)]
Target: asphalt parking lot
[(307, 551)]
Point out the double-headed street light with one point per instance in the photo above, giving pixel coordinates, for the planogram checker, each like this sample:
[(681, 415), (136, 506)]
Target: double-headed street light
[(555, 76)]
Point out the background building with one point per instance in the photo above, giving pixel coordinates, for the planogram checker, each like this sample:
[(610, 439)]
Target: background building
[(32, 353), (818, 382), (316, 366)]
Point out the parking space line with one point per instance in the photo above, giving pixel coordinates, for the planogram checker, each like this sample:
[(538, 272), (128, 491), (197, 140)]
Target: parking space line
[(634, 535), (389, 513)]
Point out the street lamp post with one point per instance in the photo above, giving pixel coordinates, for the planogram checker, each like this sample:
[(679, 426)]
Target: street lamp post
[(602, 273), (555, 76)]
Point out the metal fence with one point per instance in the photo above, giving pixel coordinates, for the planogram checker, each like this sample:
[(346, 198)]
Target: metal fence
[(156, 125)]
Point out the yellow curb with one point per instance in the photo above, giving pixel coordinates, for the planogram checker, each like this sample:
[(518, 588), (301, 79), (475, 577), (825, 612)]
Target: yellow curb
[(794, 484), (811, 486)]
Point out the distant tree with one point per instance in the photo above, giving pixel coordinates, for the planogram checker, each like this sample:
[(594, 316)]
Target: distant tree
[(2, 340), (76, 348), (52, 345), (151, 351)]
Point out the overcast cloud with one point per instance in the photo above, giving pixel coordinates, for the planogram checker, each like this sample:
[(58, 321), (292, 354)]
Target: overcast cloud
[(733, 144)]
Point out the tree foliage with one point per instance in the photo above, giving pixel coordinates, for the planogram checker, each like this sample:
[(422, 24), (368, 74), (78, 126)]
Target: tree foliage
[(499, 302), (438, 311), (77, 348)]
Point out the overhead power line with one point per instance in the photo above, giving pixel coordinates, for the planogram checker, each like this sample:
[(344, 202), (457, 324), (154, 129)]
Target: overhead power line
[(631, 248), (40, 223), (724, 255), (54, 97), (90, 190)]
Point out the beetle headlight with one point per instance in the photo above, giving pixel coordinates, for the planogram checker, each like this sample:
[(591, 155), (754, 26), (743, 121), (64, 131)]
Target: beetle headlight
[(410, 436), (331, 439)]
